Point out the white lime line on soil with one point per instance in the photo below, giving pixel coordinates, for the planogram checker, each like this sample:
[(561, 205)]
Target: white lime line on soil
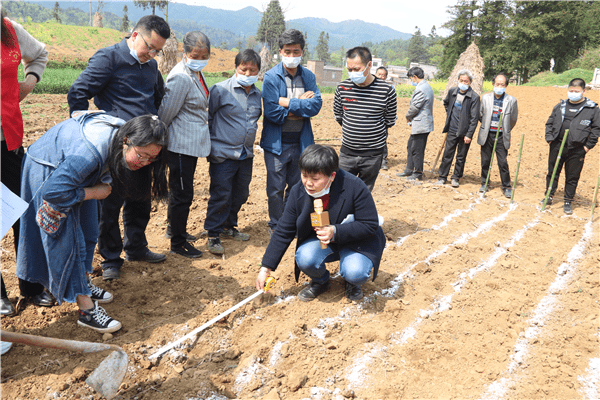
[(544, 309), (591, 381), (464, 238), (444, 223), (360, 368), (444, 303)]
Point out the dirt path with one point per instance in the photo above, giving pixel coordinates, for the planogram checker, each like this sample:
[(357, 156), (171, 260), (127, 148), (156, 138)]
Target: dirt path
[(476, 298)]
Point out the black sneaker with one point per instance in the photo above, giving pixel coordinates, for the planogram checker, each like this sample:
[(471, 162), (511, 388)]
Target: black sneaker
[(97, 320), (312, 291), (215, 246), (404, 174), (99, 295), (415, 177), (568, 209), (549, 203), (507, 193), (353, 292), (149, 257), (234, 234), (482, 188), (187, 250)]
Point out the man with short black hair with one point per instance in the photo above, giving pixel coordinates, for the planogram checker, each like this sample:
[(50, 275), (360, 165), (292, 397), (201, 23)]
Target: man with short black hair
[(290, 98), (420, 117), (462, 116), (365, 107), (492, 106), (125, 82), (233, 113), (581, 116), (381, 73)]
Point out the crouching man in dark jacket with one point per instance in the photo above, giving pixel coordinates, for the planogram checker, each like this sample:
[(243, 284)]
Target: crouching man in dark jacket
[(581, 116), (352, 236)]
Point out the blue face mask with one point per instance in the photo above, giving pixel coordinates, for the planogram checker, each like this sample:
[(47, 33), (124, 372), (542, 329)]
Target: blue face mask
[(134, 55), (574, 96), (463, 87), (246, 80), (414, 83), (499, 90), (196, 65)]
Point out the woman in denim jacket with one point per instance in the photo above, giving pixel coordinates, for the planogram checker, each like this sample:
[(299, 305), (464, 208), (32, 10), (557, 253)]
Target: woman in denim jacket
[(64, 173)]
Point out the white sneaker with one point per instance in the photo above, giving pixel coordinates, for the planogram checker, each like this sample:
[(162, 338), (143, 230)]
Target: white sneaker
[(4, 347), (99, 295), (98, 320)]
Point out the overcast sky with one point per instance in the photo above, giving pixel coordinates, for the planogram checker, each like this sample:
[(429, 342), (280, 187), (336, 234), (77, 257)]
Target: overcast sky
[(402, 16)]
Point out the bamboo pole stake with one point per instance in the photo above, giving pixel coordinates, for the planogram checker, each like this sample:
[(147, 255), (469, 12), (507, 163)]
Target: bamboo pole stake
[(562, 145), (595, 197), (487, 179), (512, 196), (439, 153)]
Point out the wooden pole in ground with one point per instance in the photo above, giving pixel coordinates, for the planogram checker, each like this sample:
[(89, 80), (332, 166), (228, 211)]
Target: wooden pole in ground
[(512, 196), (498, 131), (439, 153), (562, 145), (595, 196)]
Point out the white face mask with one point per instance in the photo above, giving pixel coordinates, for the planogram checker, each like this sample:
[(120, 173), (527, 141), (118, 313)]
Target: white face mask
[(322, 192), (291, 62)]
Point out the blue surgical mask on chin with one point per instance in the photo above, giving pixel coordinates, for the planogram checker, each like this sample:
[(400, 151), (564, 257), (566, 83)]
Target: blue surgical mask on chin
[(463, 87), (499, 90), (322, 192), (246, 80), (196, 65), (414, 83), (574, 96), (134, 55)]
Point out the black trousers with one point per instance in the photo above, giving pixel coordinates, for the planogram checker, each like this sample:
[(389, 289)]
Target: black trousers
[(11, 178), (415, 153), (181, 193), (454, 144), (572, 159), (365, 167), (501, 154), (136, 214)]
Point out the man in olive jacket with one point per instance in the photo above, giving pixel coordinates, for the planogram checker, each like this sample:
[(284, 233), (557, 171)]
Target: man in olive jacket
[(462, 117)]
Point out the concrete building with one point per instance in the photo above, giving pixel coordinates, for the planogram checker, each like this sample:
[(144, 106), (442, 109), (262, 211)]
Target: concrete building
[(326, 75)]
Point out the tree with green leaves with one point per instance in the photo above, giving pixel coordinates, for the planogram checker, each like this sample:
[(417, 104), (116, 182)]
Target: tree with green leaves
[(323, 47), (306, 53), (125, 22), (493, 20), (463, 28), (271, 26), (56, 13), (144, 4), (416, 48)]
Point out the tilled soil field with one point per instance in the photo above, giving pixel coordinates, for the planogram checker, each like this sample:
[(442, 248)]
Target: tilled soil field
[(475, 298)]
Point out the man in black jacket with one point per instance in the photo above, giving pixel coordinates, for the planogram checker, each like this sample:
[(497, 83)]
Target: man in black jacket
[(462, 116), (581, 117)]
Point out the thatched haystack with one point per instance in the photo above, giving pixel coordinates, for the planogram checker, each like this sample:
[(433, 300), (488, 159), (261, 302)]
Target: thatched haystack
[(265, 62), (169, 57), (97, 23), (470, 59)]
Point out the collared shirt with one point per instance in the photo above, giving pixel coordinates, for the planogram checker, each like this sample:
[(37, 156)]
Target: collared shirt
[(233, 120), (292, 126), (119, 84), (496, 111)]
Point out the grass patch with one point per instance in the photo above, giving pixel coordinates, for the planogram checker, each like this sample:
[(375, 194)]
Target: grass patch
[(552, 79)]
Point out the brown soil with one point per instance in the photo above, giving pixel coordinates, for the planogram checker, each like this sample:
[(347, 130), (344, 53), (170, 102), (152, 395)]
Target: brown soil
[(495, 262)]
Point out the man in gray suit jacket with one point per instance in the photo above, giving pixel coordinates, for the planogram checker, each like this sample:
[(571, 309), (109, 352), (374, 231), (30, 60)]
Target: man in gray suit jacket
[(492, 105), (420, 117)]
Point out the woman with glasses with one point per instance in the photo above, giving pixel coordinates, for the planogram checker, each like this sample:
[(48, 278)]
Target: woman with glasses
[(184, 109), (65, 172)]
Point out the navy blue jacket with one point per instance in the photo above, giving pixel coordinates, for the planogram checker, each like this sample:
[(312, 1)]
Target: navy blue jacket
[(119, 84), (348, 195)]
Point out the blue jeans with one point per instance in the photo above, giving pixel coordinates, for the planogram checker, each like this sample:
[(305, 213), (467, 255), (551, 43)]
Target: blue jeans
[(355, 268), (282, 170), (229, 190)]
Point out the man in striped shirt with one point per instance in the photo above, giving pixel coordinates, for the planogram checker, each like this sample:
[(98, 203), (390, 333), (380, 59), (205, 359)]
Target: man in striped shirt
[(365, 107)]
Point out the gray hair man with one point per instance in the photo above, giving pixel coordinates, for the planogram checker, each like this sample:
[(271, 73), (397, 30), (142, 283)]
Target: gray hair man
[(492, 106), (462, 116)]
